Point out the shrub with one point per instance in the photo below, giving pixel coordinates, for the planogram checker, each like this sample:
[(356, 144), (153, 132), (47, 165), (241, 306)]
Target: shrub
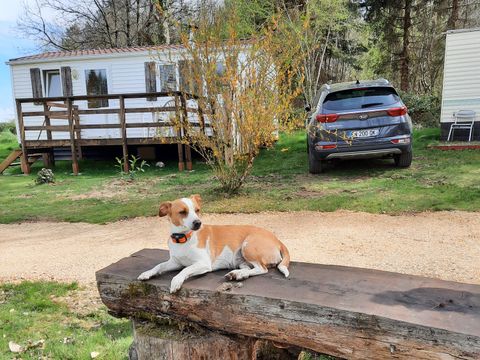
[(45, 176), (8, 126), (245, 88), (6, 137), (424, 109)]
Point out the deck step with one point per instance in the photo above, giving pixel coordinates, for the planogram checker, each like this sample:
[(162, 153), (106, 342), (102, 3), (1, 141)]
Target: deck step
[(14, 155)]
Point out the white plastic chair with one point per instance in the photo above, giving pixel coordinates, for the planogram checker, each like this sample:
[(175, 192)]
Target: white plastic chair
[(463, 119)]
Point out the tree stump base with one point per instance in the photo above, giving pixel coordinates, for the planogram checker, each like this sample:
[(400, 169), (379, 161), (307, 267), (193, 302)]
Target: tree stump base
[(169, 342)]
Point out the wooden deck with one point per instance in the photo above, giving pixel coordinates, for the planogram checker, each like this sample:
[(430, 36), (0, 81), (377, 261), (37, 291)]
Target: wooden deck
[(65, 108), (347, 312)]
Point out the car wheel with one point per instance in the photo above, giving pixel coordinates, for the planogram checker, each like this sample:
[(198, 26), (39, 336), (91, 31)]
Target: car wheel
[(404, 160), (314, 166)]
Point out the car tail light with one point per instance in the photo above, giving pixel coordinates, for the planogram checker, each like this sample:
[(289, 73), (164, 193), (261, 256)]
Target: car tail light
[(327, 118), (397, 111), (326, 147), (405, 140)]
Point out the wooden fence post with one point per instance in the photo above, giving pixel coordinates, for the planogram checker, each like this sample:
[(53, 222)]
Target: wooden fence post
[(123, 130), (24, 158), (73, 147), (188, 150), (181, 163), (48, 157)]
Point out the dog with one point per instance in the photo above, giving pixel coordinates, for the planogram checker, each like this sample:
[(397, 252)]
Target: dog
[(197, 248)]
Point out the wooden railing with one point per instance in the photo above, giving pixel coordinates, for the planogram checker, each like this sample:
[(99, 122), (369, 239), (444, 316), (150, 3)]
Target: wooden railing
[(71, 112)]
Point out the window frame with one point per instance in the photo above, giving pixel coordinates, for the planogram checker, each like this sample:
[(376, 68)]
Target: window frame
[(102, 103), (175, 73), (46, 81)]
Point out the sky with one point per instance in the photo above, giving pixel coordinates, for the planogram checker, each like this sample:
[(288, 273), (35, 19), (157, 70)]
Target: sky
[(12, 45)]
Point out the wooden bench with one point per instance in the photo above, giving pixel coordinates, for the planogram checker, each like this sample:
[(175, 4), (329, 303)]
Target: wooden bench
[(342, 311)]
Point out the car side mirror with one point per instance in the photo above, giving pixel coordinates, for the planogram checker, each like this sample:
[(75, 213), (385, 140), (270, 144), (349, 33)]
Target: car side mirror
[(307, 108)]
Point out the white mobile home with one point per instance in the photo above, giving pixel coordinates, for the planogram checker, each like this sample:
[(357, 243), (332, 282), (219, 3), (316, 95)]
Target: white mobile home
[(98, 72), (106, 97), (461, 80)]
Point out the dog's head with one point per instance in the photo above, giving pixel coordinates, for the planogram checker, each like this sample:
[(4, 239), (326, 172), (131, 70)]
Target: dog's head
[(183, 213)]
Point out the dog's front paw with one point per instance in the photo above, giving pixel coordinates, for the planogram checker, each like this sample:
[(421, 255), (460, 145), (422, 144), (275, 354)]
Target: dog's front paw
[(146, 275), (237, 275), (176, 284)]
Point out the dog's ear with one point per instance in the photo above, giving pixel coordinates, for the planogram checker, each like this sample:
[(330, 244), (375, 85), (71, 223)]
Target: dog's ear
[(164, 209), (197, 198)]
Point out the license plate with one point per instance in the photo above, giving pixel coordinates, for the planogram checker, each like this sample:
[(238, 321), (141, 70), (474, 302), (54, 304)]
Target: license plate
[(363, 133)]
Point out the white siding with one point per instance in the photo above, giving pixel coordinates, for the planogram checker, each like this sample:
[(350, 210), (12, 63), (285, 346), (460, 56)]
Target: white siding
[(125, 74), (461, 82)]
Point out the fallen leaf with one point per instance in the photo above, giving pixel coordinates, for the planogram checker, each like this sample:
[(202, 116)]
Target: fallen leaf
[(94, 354), (14, 347), (284, 150)]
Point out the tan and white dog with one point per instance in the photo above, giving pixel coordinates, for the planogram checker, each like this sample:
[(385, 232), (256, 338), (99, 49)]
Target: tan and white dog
[(198, 249)]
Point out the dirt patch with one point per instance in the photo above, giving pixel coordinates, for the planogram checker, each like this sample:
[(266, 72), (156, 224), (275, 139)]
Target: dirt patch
[(442, 245), (118, 188), (83, 301)]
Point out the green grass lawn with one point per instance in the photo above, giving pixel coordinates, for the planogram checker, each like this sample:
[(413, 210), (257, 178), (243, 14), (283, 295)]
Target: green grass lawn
[(437, 180), (44, 318), (34, 312)]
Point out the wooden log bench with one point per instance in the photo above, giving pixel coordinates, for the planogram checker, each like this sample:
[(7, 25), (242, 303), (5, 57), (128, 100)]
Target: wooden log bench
[(346, 312)]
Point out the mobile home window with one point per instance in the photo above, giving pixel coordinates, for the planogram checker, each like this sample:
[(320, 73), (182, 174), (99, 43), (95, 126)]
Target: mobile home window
[(168, 77), (97, 85), (53, 83)]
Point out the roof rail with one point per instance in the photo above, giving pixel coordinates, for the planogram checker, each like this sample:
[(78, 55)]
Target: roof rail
[(385, 81)]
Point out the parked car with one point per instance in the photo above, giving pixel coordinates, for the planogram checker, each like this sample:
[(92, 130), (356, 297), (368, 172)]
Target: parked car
[(361, 119)]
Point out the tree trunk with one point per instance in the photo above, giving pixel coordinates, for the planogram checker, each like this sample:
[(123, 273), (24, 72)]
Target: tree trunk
[(168, 342), (405, 58), (452, 20)]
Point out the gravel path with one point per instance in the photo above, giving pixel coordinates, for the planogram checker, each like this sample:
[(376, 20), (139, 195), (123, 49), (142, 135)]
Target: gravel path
[(444, 245)]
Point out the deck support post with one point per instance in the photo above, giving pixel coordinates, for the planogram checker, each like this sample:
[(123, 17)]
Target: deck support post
[(48, 157), (123, 121), (188, 150), (181, 162), (73, 147), (78, 131), (24, 157)]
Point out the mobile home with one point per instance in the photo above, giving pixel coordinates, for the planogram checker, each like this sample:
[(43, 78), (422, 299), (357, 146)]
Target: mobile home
[(461, 81), (85, 94)]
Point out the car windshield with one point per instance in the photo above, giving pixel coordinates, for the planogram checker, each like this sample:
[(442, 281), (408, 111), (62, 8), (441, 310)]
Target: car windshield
[(364, 98)]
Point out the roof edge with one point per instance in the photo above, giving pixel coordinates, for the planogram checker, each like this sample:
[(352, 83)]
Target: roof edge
[(59, 56), (456, 31)]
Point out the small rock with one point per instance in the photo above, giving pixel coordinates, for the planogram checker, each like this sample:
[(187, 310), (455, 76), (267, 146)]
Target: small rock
[(94, 354), (14, 347), (160, 164)]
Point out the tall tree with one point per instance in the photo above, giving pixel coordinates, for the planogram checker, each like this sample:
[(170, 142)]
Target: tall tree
[(100, 23)]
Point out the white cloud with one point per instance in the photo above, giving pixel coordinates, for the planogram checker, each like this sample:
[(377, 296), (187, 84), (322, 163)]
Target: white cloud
[(6, 114), (10, 10)]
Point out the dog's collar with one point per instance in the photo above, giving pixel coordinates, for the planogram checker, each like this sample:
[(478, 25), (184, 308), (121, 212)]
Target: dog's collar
[(180, 238)]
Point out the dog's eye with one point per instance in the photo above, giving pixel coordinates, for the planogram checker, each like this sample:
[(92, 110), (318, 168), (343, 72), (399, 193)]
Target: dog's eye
[(197, 210), (183, 212)]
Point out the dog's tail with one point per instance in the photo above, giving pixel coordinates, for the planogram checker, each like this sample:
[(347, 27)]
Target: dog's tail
[(283, 265)]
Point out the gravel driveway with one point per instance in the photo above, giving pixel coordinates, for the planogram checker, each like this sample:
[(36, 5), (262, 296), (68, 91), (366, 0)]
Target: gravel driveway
[(444, 245)]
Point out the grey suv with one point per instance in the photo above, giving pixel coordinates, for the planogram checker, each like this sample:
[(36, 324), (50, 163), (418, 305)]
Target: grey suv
[(358, 120)]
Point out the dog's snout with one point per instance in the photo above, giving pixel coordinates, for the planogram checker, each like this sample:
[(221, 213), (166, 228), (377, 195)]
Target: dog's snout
[(196, 224)]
